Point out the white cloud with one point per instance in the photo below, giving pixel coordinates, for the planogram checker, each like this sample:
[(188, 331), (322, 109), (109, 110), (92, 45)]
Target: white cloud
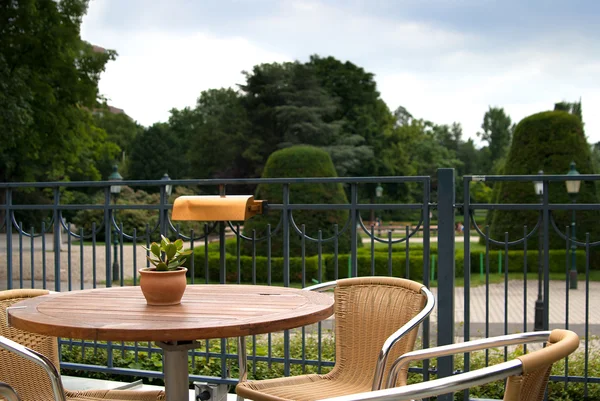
[(158, 71), (438, 73)]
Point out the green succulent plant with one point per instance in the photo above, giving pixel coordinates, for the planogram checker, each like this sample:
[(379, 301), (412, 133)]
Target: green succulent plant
[(167, 255)]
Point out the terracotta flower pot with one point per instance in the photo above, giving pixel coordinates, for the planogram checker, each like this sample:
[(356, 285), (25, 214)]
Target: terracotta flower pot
[(163, 287)]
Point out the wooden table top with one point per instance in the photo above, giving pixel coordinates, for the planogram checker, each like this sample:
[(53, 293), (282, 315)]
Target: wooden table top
[(206, 311)]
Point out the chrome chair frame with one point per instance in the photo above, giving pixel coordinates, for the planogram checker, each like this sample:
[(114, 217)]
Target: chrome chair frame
[(8, 392), (453, 383), (39, 359)]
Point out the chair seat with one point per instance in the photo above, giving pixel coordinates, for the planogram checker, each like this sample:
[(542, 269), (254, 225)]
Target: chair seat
[(300, 388)]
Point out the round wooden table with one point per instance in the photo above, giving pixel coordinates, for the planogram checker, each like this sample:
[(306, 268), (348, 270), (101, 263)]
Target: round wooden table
[(206, 311)]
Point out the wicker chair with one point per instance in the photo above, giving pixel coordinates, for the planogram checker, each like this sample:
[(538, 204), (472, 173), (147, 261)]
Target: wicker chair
[(527, 375), (375, 320), (28, 363)]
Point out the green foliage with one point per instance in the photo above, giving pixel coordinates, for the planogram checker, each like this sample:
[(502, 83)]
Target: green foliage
[(546, 141), (156, 152), (262, 269), (364, 118), (121, 131), (167, 255), (570, 107), (219, 117), (48, 85), (131, 219), (259, 269), (301, 161)]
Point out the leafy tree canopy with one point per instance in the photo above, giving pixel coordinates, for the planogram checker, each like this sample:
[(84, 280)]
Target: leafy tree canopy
[(49, 83)]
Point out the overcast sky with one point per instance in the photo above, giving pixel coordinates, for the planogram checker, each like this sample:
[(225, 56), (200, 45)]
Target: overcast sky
[(444, 60)]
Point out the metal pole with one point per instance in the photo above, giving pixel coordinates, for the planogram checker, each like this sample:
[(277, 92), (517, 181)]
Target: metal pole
[(115, 265), (446, 270), (573, 271), (539, 303)]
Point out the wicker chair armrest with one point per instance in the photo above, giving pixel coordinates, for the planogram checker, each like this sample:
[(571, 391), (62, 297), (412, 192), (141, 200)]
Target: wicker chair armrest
[(8, 392), (401, 332), (469, 346), (40, 360), (439, 386)]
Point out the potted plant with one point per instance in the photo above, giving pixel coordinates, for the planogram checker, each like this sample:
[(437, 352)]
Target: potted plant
[(164, 284)]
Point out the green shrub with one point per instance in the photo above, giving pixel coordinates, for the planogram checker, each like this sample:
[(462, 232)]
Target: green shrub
[(557, 264), (250, 268), (546, 141), (300, 161), (132, 218)]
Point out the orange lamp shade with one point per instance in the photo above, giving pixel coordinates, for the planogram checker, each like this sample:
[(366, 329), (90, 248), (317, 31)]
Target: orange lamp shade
[(216, 208)]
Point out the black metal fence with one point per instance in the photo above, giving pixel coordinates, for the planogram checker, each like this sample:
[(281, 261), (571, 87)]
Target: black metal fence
[(47, 251)]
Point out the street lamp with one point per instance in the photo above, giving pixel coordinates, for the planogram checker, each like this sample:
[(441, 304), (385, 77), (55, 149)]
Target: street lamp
[(378, 194), (168, 187), (538, 323), (164, 198), (115, 190), (573, 189)]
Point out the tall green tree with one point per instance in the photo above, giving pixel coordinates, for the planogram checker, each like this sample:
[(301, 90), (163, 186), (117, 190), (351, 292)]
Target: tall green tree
[(121, 130), (365, 119), (570, 107), (220, 139), (48, 85), (154, 153), (287, 106), (497, 129)]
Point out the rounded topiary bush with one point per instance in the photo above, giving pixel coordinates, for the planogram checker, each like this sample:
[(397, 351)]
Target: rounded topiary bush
[(293, 162), (547, 141)]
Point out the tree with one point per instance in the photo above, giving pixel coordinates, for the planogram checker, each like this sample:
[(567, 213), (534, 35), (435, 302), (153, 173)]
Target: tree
[(287, 106), (365, 119), (121, 131), (49, 83), (219, 121), (156, 152), (546, 141), (497, 132), (573, 108)]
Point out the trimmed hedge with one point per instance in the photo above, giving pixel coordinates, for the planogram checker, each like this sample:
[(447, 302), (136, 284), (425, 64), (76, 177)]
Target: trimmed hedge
[(329, 270), (300, 161), (546, 141)]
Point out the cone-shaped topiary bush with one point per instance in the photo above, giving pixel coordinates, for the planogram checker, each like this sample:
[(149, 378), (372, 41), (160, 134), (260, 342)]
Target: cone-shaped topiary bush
[(547, 141), (300, 161)]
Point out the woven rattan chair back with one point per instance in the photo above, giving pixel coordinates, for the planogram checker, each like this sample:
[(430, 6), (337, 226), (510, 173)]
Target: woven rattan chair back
[(367, 311), (29, 380)]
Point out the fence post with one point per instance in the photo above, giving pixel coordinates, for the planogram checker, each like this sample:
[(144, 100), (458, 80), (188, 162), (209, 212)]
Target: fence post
[(9, 247), (445, 301)]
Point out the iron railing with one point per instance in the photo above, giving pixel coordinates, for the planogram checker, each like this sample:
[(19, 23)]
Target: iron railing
[(90, 262)]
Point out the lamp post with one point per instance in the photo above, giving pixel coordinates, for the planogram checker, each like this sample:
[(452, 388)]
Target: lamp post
[(538, 323), (164, 198), (573, 189), (115, 190), (378, 194)]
